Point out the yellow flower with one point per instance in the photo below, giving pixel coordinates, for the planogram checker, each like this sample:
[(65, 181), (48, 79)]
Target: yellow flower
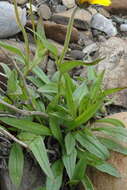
[(97, 2)]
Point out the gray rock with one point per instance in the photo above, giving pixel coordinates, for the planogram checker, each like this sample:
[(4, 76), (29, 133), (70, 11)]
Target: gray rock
[(115, 66), (91, 52), (81, 21), (44, 12), (103, 24), (8, 23), (123, 27), (76, 54), (69, 3), (33, 178)]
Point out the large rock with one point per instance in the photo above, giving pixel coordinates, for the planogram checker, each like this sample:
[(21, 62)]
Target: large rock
[(81, 21), (101, 23), (33, 178), (118, 6), (103, 181), (8, 23), (114, 52)]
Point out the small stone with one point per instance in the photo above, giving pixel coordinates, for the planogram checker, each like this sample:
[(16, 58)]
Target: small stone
[(103, 24), (123, 27), (60, 8), (44, 12), (69, 3), (76, 54), (8, 23), (57, 32), (20, 2)]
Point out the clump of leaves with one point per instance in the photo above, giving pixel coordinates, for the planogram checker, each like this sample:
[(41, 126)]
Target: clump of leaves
[(37, 108)]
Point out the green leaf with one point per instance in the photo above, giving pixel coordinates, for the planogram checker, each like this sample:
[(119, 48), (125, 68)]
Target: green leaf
[(70, 162), (55, 128), (68, 65), (26, 137), (96, 87), (87, 183), (91, 159), (69, 96), (41, 75), (12, 49), (40, 29), (45, 43), (86, 115), (119, 133), (112, 91), (6, 69), (92, 144), (91, 73), (36, 81), (55, 184), (50, 47), (112, 145), (109, 169), (112, 121), (27, 125), (69, 143), (79, 170), (80, 92), (49, 88), (12, 84), (38, 149), (16, 162)]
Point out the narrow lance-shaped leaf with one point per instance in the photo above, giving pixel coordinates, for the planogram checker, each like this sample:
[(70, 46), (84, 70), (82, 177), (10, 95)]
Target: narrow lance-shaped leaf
[(92, 145), (55, 128), (79, 170), (69, 143), (109, 169), (113, 145), (86, 115), (41, 75), (68, 65), (69, 96), (80, 92), (96, 87), (16, 162), (112, 121), (12, 49), (87, 183), (57, 169), (38, 149), (70, 162), (119, 133), (27, 125)]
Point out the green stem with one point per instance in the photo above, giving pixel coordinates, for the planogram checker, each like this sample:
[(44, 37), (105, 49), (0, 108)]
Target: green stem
[(23, 31), (32, 19), (68, 36), (66, 44)]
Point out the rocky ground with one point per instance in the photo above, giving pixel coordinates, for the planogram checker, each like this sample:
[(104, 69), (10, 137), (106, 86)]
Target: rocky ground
[(97, 32)]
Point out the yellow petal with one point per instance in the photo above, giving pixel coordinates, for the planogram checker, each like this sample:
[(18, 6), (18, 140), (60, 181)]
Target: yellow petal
[(97, 2), (100, 2)]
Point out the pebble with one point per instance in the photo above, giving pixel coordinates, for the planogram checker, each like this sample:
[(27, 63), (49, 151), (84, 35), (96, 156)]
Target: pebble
[(44, 12), (8, 23), (69, 3), (20, 2), (123, 27), (103, 24), (76, 55)]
